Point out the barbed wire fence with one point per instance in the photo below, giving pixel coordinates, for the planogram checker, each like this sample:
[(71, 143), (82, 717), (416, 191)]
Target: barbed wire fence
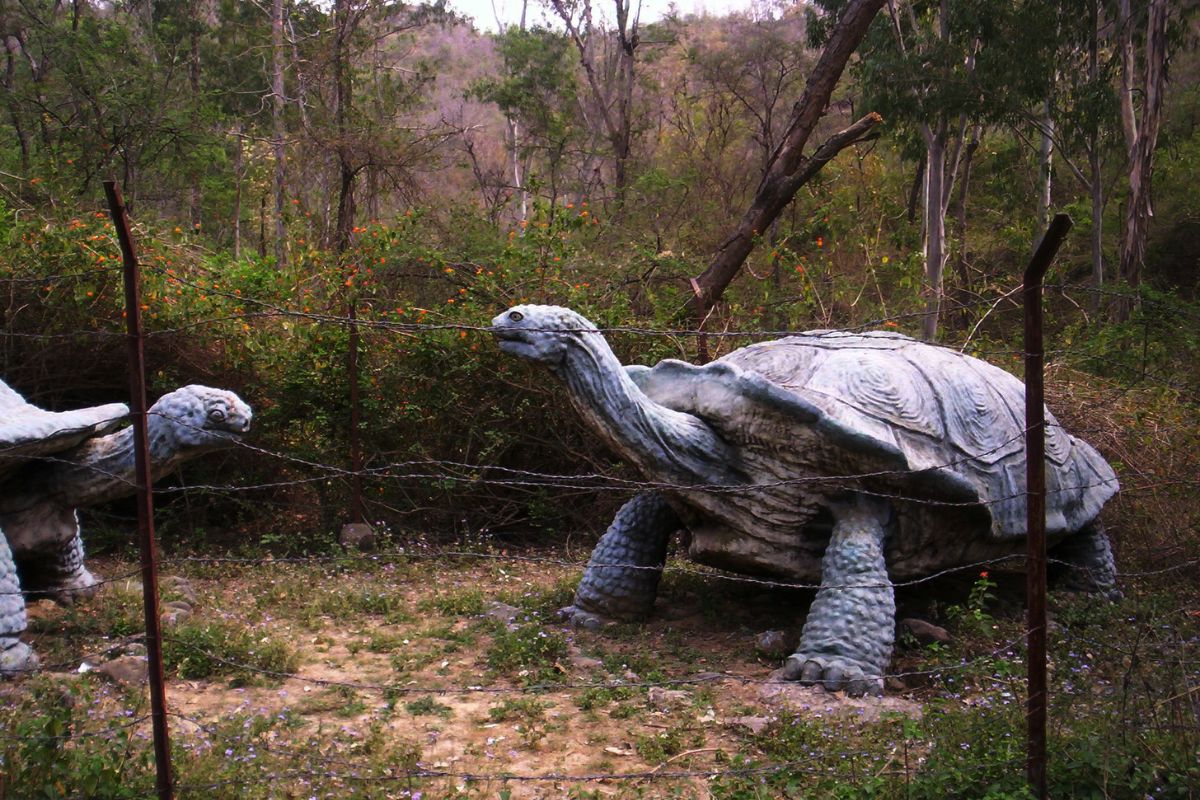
[(1165, 653)]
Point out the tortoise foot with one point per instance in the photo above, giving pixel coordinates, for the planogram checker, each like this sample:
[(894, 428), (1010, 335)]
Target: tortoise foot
[(834, 673), (76, 587), (581, 618), (16, 657)]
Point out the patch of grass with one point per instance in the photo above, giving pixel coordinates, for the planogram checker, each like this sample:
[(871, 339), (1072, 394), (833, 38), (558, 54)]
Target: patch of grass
[(518, 709), (529, 716), (348, 601), (646, 667), (221, 649), (427, 706), (600, 696), (655, 748), (343, 701), (545, 601), (460, 603), (384, 642), (527, 649)]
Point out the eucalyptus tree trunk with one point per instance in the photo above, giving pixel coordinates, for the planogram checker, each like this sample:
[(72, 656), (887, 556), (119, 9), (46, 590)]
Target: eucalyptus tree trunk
[(278, 133), (239, 177), (1141, 133), (196, 199), (341, 110), (1045, 166), (1096, 187), (935, 227)]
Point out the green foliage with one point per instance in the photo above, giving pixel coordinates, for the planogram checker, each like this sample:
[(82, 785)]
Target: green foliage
[(528, 651), (45, 759), (974, 615), (195, 650), (427, 706)]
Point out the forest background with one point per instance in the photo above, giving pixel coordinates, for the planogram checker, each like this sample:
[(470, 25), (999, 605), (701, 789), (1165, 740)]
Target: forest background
[(309, 179)]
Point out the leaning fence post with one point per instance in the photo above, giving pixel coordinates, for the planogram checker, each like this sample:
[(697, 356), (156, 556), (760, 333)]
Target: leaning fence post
[(1035, 486), (145, 500)]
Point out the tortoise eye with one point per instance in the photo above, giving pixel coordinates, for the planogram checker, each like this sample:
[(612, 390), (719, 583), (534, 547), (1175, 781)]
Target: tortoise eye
[(516, 316), (216, 415)]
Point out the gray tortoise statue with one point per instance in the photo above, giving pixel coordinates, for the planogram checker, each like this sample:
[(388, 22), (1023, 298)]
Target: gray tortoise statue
[(849, 459), (52, 463)]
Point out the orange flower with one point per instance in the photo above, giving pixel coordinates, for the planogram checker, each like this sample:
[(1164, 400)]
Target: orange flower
[(983, 574), (820, 241)]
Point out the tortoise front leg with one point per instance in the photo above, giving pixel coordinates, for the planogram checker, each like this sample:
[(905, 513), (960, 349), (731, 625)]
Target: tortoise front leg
[(848, 636), (15, 655), (621, 579)]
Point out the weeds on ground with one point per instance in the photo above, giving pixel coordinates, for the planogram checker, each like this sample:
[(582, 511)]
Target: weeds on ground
[(528, 652)]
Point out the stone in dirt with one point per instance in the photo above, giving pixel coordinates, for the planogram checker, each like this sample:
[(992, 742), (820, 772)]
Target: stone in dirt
[(503, 612), (755, 725), (775, 645), (357, 536), (666, 699), (126, 670), (924, 632)]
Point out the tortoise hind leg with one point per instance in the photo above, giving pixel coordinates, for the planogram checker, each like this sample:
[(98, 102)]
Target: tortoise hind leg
[(15, 655), (1090, 565), (49, 554), (848, 636), (621, 579)]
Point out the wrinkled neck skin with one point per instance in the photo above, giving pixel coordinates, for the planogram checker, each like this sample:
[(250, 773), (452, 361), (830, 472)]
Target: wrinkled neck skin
[(104, 468), (666, 445)]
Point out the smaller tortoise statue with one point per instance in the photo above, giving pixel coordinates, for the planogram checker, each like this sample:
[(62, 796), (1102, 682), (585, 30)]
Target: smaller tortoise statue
[(52, 463), (849, 459)]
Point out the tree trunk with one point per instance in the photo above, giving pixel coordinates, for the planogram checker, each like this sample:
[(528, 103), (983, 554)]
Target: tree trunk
[(341, 111), (914, 192), (277, 138), (195, 198), (789, 169), (1141, 135), (1045, 166), (935, 229), (239, 175), (960, 219), (1096, 188)]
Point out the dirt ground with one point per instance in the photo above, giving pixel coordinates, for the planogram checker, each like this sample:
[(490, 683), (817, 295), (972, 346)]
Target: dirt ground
[(402, 659)]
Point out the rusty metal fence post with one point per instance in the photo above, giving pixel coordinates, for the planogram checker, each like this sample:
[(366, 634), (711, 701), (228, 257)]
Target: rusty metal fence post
[(145, 502), (1035, 486)]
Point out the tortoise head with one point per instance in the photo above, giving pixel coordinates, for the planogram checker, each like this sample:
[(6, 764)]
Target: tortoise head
[(542, 334), (202, 417)]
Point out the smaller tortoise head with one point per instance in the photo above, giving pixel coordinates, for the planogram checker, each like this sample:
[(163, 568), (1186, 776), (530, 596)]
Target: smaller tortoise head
[(201, 417), (542, 334)]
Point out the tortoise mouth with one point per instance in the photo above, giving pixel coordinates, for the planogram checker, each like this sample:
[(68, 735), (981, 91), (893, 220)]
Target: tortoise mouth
[(525, 344)]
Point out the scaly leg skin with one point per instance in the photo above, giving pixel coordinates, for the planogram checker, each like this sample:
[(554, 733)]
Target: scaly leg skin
[(1091, 567), (621, 579), (15, 656), (54, 567), (848, 636)]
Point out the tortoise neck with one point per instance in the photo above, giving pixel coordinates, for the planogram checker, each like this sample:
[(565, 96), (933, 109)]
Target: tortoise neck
[(664, 444)]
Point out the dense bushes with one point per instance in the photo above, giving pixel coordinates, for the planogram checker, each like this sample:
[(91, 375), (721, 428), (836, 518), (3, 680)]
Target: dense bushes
[(444, 417)]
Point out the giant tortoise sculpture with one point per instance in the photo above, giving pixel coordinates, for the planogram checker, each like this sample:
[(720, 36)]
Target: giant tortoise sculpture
[(849, 459), (52, 463)]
